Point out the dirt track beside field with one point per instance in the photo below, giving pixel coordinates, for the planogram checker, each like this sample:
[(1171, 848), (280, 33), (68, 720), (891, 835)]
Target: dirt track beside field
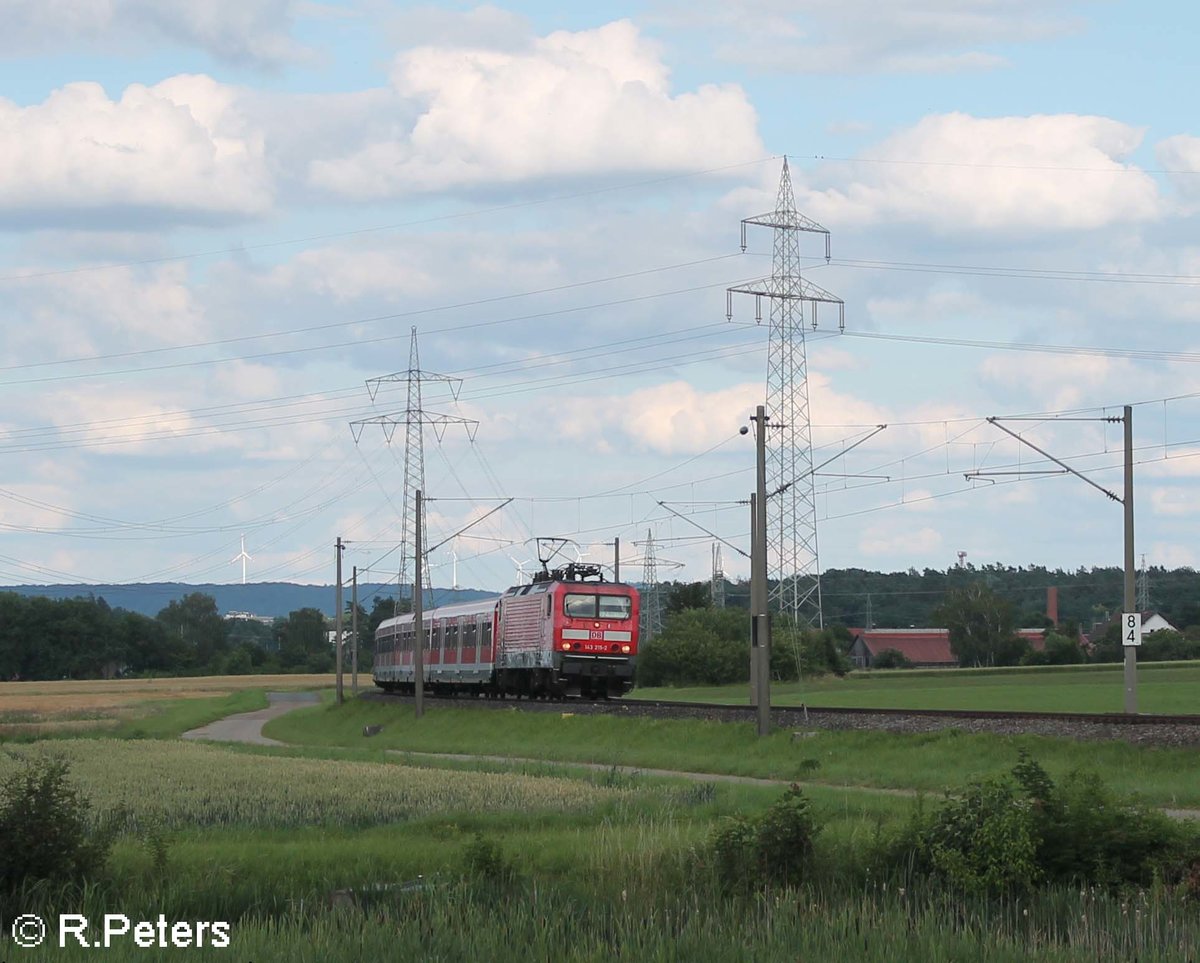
[(248, 726)]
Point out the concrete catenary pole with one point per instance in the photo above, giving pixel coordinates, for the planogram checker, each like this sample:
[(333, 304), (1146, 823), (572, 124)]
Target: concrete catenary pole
[(756, 582), (354, 632), (418, 613), (337, 631), (1130, 596), (762, 618)]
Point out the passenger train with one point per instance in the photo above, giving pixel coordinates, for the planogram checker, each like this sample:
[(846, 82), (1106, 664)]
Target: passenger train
[(567, 633)]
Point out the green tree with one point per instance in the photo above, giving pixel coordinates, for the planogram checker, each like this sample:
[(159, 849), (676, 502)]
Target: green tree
[(304, 641), (196, 623), (698, 647), (981, 625), (1058, 650), (804, 652), (382, 608), (690, 595)]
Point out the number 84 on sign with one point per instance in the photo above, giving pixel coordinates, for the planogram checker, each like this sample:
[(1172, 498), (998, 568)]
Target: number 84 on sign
[(1131, 628)]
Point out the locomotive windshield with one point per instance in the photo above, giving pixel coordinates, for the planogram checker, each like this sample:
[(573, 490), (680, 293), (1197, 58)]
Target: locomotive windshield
[(581, 606)]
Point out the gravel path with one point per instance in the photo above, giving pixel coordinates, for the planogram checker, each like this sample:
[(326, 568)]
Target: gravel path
[(247, 726)]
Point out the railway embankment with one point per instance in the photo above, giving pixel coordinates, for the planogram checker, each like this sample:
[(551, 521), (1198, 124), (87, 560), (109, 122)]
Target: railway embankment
[(1145, 730)]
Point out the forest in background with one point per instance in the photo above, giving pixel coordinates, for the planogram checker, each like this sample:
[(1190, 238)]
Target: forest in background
[(858, 598), (86, 637)]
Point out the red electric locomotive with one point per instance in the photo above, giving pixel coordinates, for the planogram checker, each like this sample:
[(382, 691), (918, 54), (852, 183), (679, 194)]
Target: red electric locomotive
[(567, 633)]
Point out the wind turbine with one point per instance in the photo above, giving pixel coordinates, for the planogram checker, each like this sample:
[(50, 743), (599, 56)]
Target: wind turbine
[(243, 558), (521, 573)]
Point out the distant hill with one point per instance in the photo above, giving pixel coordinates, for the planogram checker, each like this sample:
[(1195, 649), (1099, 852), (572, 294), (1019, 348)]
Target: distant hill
[(258, 598)]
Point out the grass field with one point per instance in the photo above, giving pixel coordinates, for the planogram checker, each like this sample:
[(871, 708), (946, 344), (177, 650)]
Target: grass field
[(134, 706), (1163, 687), (343, 848), (929, 762)]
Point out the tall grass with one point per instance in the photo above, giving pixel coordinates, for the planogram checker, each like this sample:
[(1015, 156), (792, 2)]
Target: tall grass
[(453, 920)]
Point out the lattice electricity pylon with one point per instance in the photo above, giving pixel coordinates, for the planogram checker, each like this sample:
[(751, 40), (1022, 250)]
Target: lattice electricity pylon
[(717, 591), (651, 621), (414, 418), (1143, 588), (793, 564)]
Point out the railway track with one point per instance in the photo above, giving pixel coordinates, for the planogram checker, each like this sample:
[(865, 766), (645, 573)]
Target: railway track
[(1157, 729), (1095, 718)]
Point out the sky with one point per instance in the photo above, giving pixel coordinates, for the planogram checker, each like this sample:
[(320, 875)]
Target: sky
[(219, 221)]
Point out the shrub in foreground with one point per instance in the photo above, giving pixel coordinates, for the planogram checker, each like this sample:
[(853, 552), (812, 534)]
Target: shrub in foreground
[(1010, 834), (46, 828), (776, 847)]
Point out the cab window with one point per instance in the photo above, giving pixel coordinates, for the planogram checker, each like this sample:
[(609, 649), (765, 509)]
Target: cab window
[(580, 606), (615, 606)]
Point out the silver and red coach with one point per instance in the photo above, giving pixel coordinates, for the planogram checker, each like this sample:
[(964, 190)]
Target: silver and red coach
[(567, 633)]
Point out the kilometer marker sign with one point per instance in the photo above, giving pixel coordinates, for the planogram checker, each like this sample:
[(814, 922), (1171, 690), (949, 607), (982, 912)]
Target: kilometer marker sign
[(1131, 628)]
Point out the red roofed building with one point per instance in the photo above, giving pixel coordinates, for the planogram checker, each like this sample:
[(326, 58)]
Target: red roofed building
[(924, 648)]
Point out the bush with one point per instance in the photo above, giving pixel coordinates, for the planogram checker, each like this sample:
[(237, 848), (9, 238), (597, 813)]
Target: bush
[(777, 847), (1085, 834), (46, 828), (820, 651), (484, 861), (1167, 646), (1058, 650), (985, 839), (891, 659), (712, 647), (1006, 835), (698, 647)]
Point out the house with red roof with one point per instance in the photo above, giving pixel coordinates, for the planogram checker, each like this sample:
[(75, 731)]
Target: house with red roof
[(924, 648)]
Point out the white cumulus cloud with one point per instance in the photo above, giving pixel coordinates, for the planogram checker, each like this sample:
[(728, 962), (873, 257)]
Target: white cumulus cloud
[(1180, 156), (569, 104), (178, 151), (957, 173)]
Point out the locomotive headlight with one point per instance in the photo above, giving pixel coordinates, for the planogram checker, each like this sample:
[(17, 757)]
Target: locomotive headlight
[(625, 649), (566, 646)]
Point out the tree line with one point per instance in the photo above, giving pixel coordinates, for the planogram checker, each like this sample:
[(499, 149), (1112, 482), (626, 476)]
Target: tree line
[(860, 598), (704, 645), (85, 638)]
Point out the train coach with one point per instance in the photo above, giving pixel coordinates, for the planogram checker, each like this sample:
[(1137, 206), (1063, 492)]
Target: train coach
[(567, 633)]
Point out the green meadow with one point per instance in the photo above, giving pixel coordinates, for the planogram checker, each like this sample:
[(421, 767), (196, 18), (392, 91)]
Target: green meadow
[(1169, 688), (346, 847)]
